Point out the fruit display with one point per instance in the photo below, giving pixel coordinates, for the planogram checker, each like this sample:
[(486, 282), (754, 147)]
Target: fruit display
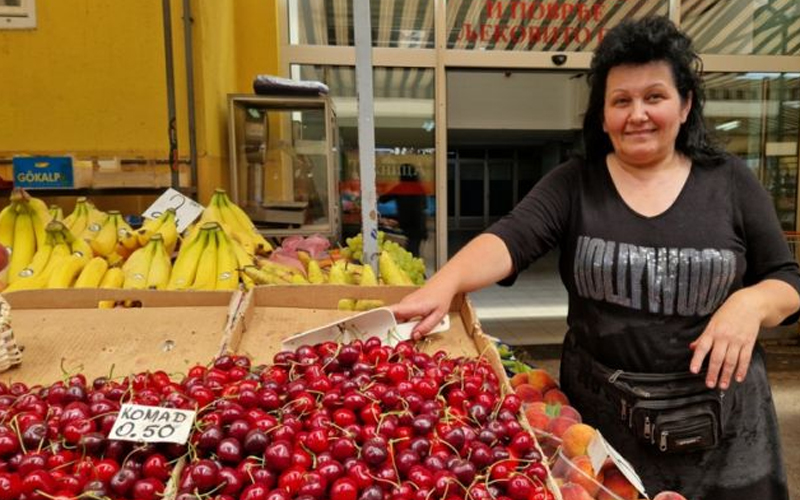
[(565, 440), (358, 421), (330, 421), (222, 250), (53, 439), (50, 250), (412, 269)]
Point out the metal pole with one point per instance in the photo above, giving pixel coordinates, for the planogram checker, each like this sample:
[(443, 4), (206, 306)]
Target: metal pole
[(366, 131), (187, 42), (171, 125)]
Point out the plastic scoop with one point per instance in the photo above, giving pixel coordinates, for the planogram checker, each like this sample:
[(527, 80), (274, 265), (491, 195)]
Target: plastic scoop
[(378, 322)]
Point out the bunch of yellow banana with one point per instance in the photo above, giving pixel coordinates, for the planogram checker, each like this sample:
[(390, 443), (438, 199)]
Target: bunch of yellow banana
[(57, 263), (235, 222), (210, 261), (85, 220), (22, 230), (165, 225), (267, 272), (108, 242), (148, 267)]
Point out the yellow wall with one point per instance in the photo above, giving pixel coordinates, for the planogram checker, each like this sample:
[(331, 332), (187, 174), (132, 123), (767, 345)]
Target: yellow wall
[(90, 79)]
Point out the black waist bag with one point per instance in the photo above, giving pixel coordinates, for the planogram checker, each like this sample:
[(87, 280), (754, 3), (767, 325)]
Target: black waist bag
[(673, 412)]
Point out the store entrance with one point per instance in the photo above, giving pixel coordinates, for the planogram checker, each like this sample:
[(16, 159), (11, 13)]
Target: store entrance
[(506, 130)]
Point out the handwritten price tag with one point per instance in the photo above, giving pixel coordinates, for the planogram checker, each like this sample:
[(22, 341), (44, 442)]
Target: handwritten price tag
[(186, 209), (152, 424), (599, 450)]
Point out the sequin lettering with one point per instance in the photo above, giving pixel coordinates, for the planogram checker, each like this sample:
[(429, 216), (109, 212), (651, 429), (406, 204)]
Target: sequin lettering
[(682, 281)]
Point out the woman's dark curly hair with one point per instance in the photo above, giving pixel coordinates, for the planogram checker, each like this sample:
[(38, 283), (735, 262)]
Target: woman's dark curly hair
[(650, 39)]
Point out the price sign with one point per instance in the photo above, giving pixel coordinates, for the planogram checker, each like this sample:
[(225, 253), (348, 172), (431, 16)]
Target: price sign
[(599, 450), (186, 209), (152, 424)]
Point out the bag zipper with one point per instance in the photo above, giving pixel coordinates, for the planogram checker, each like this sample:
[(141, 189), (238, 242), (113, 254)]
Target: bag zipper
[(664, 435)]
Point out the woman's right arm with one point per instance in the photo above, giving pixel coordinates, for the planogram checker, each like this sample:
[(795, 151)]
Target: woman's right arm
[(483, 261)]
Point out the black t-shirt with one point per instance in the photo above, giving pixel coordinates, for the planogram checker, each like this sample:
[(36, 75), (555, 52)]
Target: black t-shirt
[(641, 289)]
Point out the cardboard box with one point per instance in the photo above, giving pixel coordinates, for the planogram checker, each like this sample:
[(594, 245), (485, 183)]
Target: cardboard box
[(63, 332), (270, 314)]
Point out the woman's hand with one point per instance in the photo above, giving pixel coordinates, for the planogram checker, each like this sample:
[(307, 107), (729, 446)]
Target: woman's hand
[(728, 339), (430, 302)]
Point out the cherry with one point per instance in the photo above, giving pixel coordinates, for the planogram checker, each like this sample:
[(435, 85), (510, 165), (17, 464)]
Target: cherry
[(10, 486), (278, 455), (148, 489), (156, 466), (204, 474), (344, 489)]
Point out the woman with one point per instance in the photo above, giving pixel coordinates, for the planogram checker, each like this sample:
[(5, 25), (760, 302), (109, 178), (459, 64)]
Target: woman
[(671, 253)]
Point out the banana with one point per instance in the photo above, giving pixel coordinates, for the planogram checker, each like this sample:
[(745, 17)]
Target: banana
[(338, 274), (206, 276), (105, 241), (77, 221), (185, 267), (24, 245), (169, 231), (137, 267), (39, 224), (67, 271), (315, 272), (8, 219), (160, 267), (92, 273), (128, 239), (79, 247), (113, 278), (40, 259), (94, 221), (391, 273), (211, 212), (227, 264), (368, 277), (149, 228), (232, 211), (56, 213), (261, 277)]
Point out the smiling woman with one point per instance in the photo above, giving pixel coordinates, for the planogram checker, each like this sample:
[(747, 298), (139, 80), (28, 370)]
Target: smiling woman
[(673, 259)]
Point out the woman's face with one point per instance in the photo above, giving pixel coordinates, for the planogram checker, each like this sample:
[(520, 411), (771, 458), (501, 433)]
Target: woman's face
[(643, 112)]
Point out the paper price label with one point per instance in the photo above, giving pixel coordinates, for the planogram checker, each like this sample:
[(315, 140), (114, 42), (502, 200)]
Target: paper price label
[(152, 424), (186, 209), (599, 450)]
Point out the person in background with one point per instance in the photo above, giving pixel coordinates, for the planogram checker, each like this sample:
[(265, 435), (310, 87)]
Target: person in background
[(411, 199), (672, 256)]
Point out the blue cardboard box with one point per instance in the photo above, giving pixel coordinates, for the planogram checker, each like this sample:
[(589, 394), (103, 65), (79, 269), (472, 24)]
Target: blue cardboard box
[(42, 172)]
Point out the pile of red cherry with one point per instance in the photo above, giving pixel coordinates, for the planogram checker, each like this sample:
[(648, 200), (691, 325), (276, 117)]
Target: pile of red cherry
[(361, 421), (53, 442)]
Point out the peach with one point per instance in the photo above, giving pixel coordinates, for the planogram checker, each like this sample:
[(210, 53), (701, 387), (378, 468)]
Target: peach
[(519, 378), (527, 393), (536, 419), (569, 411), (555, 396), (537, 406), (669, 495), (541, 380), (559, 425), (617, 484), (576, 439), (572, 491), (583, 474)]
